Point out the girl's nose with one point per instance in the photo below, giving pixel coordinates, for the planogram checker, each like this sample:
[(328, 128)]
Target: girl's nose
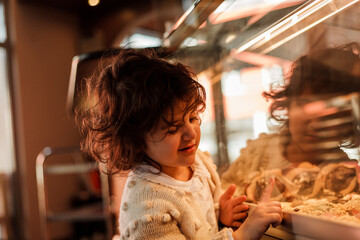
[(189, 132)]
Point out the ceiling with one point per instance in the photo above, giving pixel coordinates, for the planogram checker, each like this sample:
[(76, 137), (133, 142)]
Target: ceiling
[(114, 15), (81, 6)]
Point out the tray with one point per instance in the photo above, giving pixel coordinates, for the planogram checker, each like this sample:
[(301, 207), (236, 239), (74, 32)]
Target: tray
[(300, 226)]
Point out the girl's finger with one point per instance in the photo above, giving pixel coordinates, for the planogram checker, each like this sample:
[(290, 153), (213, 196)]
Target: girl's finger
[(239, 200), (272, 203), (276, 219), (229, 192), (240, 208), (273, 209), (236, 224), (241, 215), (273, 218), (265, 197)]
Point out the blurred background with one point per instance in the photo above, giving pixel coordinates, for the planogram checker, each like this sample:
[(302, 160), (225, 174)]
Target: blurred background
[(237, 48)]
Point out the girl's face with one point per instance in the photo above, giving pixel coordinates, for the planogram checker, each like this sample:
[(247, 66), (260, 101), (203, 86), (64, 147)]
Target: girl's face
[(174, 149)]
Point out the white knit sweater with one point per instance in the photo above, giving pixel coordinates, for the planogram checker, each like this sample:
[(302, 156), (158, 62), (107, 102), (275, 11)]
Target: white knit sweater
[(151, 210)]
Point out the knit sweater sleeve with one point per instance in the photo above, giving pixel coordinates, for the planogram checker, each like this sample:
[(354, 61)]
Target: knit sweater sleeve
[(214, 182)]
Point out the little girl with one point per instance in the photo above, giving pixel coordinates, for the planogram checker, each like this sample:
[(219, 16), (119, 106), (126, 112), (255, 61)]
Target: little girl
[(142, 114)]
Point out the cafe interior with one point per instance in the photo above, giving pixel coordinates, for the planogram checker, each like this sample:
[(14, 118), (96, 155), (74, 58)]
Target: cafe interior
[(240, 50)]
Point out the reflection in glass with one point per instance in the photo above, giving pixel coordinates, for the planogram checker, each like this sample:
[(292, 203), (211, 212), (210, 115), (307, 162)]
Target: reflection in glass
[(310, 142)]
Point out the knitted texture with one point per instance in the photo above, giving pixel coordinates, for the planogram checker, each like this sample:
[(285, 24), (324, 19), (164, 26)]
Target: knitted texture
[(155, 211)]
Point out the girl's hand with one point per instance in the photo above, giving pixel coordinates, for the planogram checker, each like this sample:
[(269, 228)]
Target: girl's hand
[(261, 217), (232, 210)]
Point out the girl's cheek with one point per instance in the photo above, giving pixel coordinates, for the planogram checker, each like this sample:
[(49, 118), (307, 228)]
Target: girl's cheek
[(173, 139)]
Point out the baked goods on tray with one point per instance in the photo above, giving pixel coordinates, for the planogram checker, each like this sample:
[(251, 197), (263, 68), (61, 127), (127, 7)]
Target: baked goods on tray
[(330, 191), (346, 209), (304, 177), (284, 188), (338, 178)]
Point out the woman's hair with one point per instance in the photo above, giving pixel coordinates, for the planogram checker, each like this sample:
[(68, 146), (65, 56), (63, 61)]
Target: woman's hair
[(129, 99), (327, 71)]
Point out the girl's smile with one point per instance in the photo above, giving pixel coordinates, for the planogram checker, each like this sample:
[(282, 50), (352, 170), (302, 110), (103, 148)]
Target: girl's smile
[(189, 149)]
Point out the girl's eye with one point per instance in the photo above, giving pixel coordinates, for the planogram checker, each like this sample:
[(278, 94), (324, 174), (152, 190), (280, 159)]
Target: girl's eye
[(194, 119), (173, 131)]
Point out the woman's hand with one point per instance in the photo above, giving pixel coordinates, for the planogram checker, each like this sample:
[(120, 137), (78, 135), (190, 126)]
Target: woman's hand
[(265, 214), (232, 210)]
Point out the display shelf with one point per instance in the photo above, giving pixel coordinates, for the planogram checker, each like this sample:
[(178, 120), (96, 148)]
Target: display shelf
[(70, 168)]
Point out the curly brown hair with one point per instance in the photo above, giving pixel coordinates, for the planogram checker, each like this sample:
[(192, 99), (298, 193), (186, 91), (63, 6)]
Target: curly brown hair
[(327, 71), (127, 100)]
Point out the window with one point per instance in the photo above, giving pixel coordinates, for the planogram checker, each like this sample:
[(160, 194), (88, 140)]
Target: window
[(6, 124), (7, 150), (141, 39)]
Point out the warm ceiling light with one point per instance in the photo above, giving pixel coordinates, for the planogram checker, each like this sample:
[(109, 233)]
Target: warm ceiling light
[(93, 2)]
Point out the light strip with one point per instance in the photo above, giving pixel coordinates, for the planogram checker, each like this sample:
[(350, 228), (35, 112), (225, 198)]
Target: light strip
[(324, 9), (237, 11)]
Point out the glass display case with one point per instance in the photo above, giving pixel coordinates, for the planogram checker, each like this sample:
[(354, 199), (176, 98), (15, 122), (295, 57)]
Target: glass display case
[(283, 83)]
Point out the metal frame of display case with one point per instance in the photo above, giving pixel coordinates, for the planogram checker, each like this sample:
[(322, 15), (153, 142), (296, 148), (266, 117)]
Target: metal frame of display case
[(189, 22), (82, 214)]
